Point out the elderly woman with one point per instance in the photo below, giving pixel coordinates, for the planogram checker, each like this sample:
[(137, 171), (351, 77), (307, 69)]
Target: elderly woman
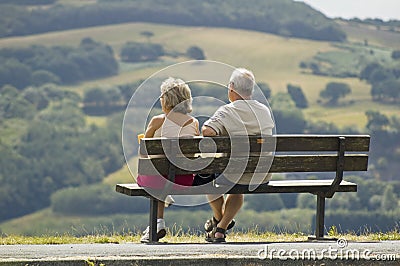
[(176, 103)]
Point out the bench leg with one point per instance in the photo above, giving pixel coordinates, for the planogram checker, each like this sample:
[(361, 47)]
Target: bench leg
[(153, 219), (320, 217), (320, 221)]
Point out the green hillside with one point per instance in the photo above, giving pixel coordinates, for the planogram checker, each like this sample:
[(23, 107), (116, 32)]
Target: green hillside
[(274, 59)]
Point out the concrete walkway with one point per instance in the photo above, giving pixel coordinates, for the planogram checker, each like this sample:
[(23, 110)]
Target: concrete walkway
[(267, 253)]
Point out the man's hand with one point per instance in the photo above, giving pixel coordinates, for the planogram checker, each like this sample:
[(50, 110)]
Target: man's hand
[(208, 131)]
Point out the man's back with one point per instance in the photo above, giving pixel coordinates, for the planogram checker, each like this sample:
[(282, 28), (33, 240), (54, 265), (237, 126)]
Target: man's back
[(242, 117)]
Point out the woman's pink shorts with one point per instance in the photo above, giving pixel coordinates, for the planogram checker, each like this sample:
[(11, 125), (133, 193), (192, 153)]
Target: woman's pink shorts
[(158, 182)]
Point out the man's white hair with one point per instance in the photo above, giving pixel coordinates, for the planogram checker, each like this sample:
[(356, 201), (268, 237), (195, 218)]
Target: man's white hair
[(243, 81)]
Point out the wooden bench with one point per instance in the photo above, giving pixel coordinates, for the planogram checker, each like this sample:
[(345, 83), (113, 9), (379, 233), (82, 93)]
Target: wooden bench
[(293, 153)]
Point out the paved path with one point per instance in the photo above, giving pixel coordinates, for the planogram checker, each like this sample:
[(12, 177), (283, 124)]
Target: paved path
[(311, 253)]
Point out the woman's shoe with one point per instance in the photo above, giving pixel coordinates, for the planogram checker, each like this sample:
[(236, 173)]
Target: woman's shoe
[(161, 232)]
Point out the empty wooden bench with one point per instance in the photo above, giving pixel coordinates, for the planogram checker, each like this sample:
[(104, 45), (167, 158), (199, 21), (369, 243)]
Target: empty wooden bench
[(249, 154)]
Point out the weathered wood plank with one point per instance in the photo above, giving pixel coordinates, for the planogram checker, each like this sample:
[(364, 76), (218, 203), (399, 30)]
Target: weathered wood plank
[(279, 143), (280, 186), (280, 164)]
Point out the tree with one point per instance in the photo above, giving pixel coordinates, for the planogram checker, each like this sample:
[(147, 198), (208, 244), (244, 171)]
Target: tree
[(289, 119), (269, 202), (95, 96), (366, 71), (13, 105), (379, 75), (306, 201), (389, 199), (386, 90), (266, 90), (297, 96), (195, 52), (15, 73), (147, 34), (396, 54), (139, 52), (334, 91), (41, 77), (37, 97), (376, 120)]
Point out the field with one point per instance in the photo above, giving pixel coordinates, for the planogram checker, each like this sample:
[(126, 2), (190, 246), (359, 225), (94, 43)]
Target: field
[(275, 60)]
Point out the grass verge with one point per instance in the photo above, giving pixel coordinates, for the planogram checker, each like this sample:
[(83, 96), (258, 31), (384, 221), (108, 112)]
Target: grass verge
[(180, 237)]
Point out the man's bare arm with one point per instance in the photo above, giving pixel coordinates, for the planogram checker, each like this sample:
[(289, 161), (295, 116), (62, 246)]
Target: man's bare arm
[(208, 131)]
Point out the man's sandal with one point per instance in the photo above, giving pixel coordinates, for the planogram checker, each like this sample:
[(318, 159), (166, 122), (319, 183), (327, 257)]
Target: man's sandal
[(210, 236), (212, 223)]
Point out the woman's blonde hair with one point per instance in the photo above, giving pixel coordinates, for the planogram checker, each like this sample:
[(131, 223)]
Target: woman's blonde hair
[(176, 95)]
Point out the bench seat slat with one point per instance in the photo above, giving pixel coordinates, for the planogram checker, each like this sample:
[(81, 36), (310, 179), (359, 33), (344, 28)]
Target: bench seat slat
[(279, 143), (280, 164), (280, 186)]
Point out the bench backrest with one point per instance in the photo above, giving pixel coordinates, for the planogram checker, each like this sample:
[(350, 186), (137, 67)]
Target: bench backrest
[(290, 153)]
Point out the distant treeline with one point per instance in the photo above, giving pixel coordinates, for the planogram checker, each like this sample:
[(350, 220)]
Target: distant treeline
[(28, 2), (377, 22), (282, 17), (38, 65)]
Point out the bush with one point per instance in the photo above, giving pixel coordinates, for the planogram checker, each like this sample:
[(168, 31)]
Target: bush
[(195, 53), (360, 222), (96, 199), (396, 54), (41, 77), (141, 52), (266, 202), (334, 91), (297, 95)]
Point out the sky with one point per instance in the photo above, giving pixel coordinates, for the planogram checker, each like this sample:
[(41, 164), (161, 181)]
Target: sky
[(383, 9)]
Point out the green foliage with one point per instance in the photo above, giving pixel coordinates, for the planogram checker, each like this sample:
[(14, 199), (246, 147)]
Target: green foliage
[(345, 201), (99, 199), (265, 89), (28, 2), (387, 90), (141, 52), (396, 54), (348, 60), (266, 202), (283, 17), (297, 96), (14, 73), (306, 201), (390, 201), (321, 127), (195, 52), (41, 77), (334, 91), (385, 82), (360, 222), (385, 131), (14, 105), (369, 69), (56, 150), (99, 101), (288, 118), (376, 120), (147, 34), (38, 65)]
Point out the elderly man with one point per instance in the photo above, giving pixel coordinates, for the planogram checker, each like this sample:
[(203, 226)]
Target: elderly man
[(242, 116)]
